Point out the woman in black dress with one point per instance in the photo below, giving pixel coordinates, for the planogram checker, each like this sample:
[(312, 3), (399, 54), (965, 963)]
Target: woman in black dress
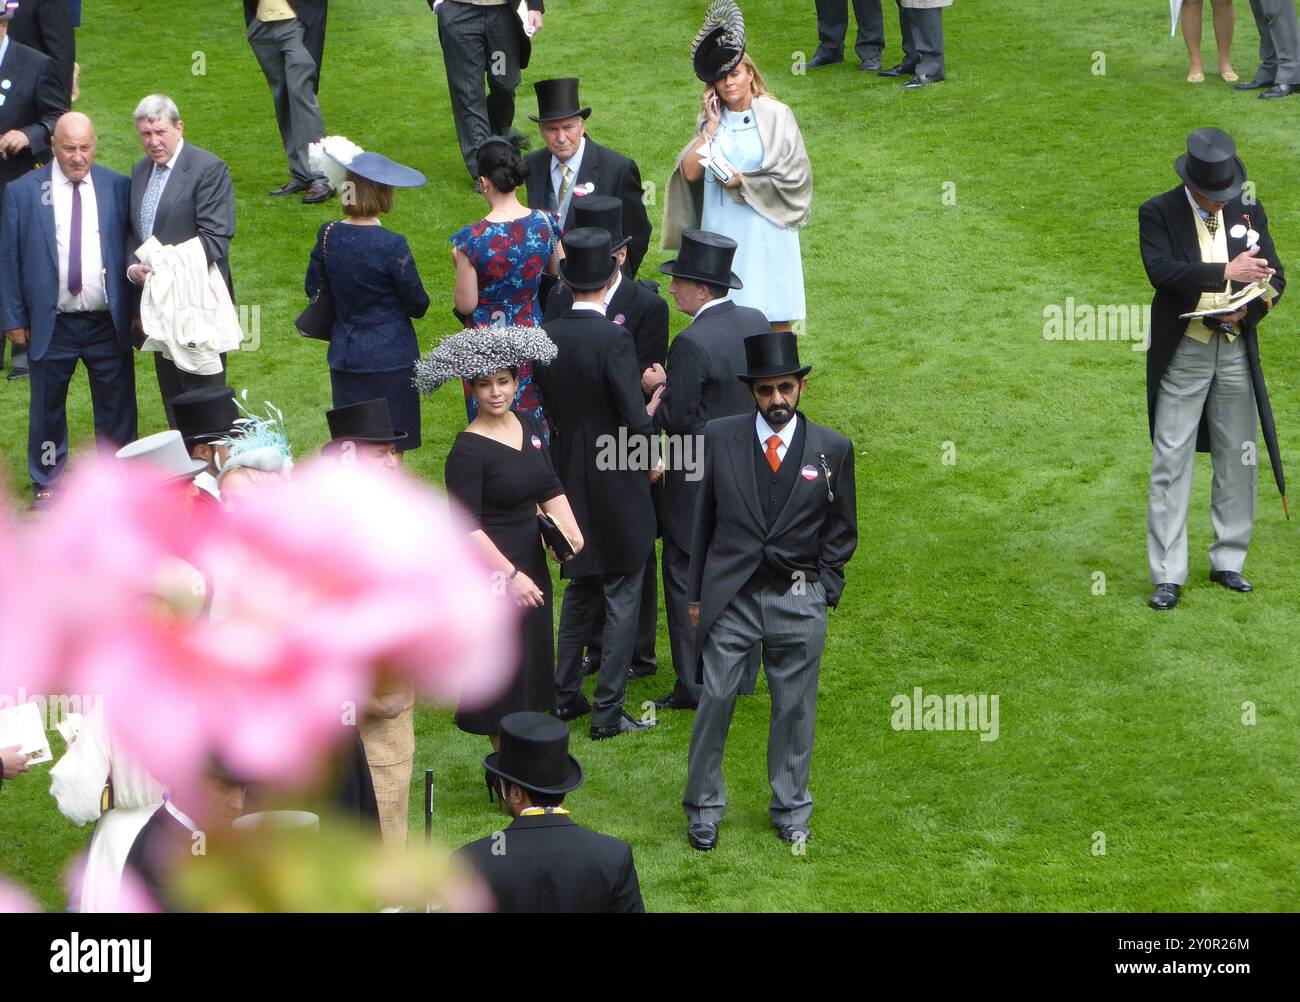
[(499, 469)]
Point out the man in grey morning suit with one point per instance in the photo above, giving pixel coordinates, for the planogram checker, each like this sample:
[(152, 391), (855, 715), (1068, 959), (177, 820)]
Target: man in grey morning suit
[(1279, 48), (178, 192), (775, 524), (833, 25)]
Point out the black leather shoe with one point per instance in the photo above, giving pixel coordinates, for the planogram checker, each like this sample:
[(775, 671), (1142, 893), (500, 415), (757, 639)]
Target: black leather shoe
[(921, 80), (794, 834), (15, 374), (320, 191), (901, 70), (572, 711), (674, 701), (624, 725), (1253, 85), (288, 188), (1232, 580), (641, 671), (870, 66), (1277, 90), (819, 59), (703, 836), (590, 665), (1165, 597)]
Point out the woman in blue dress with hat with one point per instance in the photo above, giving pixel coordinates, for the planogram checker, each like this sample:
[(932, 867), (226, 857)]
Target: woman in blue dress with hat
[(377, 291)]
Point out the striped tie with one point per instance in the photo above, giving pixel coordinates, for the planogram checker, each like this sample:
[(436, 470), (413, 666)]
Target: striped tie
[(149, 206)]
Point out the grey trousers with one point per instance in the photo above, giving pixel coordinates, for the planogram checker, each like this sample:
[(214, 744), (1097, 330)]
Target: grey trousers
[(792, 630), (620, 595), (1279, 41), (1220, 373), (647, 623), (833, 26), (293, 76), (477, 42), (922, 32), (681, 635)]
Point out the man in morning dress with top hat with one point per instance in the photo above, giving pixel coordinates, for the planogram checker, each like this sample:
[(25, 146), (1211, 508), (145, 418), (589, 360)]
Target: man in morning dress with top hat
[(700, 385), (207, 417), (775, 524), (636, 306), (602, 455), (543, 861), (363, 433), (574, 167), (1205, 386)]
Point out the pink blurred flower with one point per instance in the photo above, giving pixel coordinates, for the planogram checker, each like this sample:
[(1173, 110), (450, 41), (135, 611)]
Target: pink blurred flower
[(25, 662), (14, 900)]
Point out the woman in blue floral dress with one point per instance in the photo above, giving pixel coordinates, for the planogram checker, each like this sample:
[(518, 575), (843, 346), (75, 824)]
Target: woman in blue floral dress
[(500, 261)]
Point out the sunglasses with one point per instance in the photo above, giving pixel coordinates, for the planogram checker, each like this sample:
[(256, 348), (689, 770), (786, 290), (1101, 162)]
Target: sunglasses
[(767, 389)]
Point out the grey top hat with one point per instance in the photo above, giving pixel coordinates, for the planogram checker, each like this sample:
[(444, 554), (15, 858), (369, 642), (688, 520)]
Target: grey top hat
[(164, 454)]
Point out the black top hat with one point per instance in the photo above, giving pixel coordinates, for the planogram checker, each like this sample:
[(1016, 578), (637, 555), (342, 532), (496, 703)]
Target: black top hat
[(774, 354), (205, 414), (704, 257), (1211, 166), (535, 754), (558, 99), (368, 421), (720, 43), (589, 261), (605, 212)]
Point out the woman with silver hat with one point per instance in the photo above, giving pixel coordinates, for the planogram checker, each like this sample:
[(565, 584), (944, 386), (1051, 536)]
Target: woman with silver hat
[(500, 471), (371, 275), (746, 173)]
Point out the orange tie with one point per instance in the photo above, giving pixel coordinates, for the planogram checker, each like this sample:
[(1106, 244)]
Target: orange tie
[(773, 460)]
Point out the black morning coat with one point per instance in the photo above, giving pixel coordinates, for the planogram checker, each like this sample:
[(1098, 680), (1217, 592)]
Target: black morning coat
[(635, 306), (312, 15), (702, 366), (592, 392), (33, 103), (547, 863), (46, 26), (1172, 258), (609, 173), (163, 845), (812, 534)]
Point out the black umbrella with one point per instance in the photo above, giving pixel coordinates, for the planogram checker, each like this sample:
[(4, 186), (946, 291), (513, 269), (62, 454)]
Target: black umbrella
[(1266, 420)]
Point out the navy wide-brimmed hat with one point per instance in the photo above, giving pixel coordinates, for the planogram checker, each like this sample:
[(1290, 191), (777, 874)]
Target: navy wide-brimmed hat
[(557, 99), (604, 212), (368, 421), (704, 257), (535, 754), (1211, 166), (378, 168), (720, 43), (589, 261), (206, 414), (770, 355)]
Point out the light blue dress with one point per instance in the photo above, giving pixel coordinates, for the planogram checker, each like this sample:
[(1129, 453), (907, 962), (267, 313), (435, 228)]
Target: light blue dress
[(767, 258)]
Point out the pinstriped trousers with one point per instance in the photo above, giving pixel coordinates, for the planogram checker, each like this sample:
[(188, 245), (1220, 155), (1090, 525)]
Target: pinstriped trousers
[(792, 630)]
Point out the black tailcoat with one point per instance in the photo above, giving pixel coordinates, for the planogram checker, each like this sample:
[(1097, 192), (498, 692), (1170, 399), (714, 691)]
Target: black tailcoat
[(33, 104)]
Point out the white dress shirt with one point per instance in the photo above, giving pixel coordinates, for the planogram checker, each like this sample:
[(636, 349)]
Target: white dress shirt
[(711, 302), (93, 296), (579, 304), (180, 816), (618, 280), (574, 163), (766, 431)]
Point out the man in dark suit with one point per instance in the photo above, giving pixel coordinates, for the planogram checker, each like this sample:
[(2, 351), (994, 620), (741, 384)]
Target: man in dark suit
[(603, 457), (29, 107), (483, 38), (288, 39), (775, 524), (46, 26), (178, 192), (543, 861), (573, 167), (833, 25), (700, 384), (1278, 73), (637, 307), (65, 233), (1205, 386)]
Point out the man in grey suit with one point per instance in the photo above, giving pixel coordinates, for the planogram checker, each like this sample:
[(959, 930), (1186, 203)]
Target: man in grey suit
[(833, 25), (700, 385), (178, 192), (775, 524), (1279, 48)]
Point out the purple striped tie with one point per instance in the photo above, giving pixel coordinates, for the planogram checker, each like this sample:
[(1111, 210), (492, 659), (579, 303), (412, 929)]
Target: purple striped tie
[(74, 242)]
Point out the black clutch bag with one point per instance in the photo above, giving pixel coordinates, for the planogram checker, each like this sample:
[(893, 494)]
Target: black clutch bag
[(317, 320), (554, 538)]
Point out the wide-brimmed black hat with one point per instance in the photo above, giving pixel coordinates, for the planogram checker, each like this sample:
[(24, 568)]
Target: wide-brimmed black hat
[(558, 99), (206, 414), (380, 169), (589, 261), (704, 257), (720, 43), (535, 754), (605, 212), (774, 354), (1211, 166), (368, 421)]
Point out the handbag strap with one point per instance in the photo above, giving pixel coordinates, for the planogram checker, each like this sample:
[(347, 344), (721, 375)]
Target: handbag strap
[(325, 244)]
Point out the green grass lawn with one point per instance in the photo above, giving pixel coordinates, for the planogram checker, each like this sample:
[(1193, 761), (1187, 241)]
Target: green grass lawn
[(925, 327)]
